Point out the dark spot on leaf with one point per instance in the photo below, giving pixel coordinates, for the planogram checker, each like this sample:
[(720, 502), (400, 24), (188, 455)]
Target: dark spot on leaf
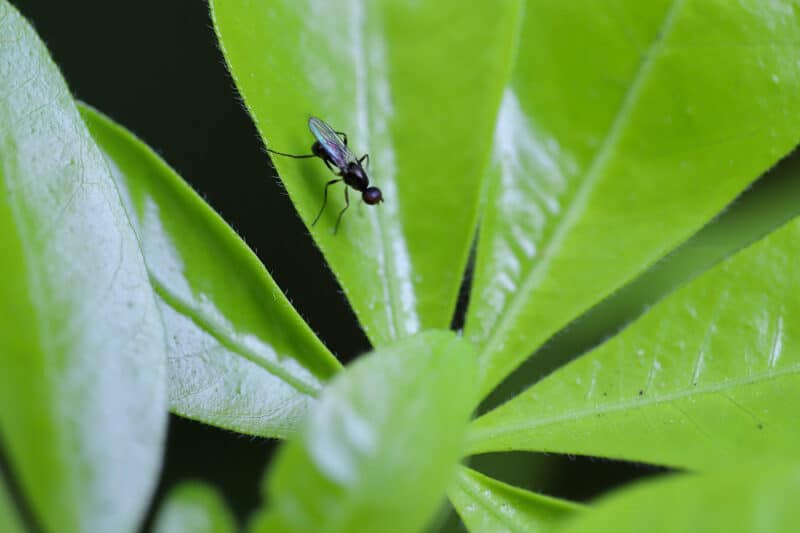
[(641, 392), (760, 426)]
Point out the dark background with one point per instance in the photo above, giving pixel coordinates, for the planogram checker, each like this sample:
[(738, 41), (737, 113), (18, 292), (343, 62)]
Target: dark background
[(154, 67)]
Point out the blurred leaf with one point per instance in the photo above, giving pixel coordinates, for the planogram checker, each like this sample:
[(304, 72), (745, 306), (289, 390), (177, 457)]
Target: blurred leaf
[(240, 357), (757, 498), (710, 375), (9, 519), (417, 85), (486, 505), (381, 445), (194, 507), (627, 125), (82, 356)]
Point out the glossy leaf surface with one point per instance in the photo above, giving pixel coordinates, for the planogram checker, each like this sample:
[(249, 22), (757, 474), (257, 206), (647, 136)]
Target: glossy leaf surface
[(414, 84), (368, 459), (710, 375), (240, 357), (486, 505), (194, 508), (626, 126), (82, 355), (752, 497)]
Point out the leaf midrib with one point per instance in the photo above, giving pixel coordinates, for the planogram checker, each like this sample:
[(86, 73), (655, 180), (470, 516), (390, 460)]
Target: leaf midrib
[(207, 325), (630, 404), (387, 260), (574, 210)]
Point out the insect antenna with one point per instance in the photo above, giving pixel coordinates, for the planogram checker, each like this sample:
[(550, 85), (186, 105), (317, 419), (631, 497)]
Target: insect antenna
[(295, 156)]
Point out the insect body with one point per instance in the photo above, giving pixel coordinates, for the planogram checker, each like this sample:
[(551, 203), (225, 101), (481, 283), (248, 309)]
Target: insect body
[(331, 147)]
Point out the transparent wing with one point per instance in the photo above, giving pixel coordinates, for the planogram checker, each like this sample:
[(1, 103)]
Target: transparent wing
[(338, 152)]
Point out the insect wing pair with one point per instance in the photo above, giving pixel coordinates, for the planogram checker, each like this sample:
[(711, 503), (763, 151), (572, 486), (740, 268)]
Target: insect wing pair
[(333, 143)]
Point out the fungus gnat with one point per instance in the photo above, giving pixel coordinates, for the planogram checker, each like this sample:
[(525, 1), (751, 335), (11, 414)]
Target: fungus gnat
[(331, 146)]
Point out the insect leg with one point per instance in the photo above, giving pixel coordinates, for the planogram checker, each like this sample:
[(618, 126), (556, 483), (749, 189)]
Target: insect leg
[(343, 135), (324, 200), (365, 157), (346, 205)]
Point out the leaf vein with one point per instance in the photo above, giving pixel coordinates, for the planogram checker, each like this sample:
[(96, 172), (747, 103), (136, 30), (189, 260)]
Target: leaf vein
[(637, 403)]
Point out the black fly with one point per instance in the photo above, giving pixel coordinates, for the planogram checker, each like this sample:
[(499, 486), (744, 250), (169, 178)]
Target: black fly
[(331, 147)]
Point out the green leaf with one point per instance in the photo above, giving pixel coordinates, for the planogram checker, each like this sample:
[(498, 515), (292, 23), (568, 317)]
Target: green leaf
[(766, 206), (710, 375), (748, 498), (486, 505), (417, 85), (240, 357), (82, 355), (194, 507), (626, 126), (381, 446), (9, 518)]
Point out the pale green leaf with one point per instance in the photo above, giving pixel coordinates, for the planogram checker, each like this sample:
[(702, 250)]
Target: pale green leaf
[(382, 444), (240, 357), (82, 356), (194, 507), (486, 505)]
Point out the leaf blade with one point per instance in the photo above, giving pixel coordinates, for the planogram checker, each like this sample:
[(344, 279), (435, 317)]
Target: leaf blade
[(747, 498), (10, 520), (240, 356), (488, 505), (720, 391), (194, 507), (372, 430), (81, 341), (600, 206), (362, 67)]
